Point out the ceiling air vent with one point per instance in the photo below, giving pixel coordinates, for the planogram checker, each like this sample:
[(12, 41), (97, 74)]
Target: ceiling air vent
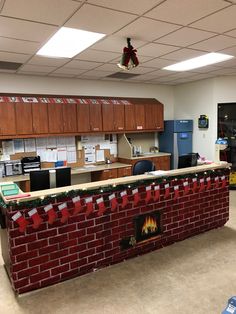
[(4, 65), (121, 75)]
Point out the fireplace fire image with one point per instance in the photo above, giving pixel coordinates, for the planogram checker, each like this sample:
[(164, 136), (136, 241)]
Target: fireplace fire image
[(148, 225)]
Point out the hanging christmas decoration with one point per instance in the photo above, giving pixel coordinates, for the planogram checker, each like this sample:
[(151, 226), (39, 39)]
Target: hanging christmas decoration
[(21, 221), (129, 58), (167, 190), (101, 206), (202, 185), (64, 212), (208, 185), (77, 205), (216, 182), (148, 194), (124, 198), (156, 193), (52, 216), (176, 192), (113, 200), (186, 187), (89, 205), (194, 180), (223, 182), (136, 196), (34, 215)]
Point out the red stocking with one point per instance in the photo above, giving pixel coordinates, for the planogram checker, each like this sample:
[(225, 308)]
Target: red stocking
[(202, 186), (21, 221), (208, 179), (186, 187), (176, 189), (167, 190), (148, 194), (124, 197), (194, 184), (64, 212), (216, 182), (51, 213), (156, 193), (77, 205), (89, 205), (37, 220), (113, 200), (136, 196), (101, 206), (223, 182)]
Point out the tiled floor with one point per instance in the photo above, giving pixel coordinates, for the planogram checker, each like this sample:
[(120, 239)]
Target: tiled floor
[(197, 276)]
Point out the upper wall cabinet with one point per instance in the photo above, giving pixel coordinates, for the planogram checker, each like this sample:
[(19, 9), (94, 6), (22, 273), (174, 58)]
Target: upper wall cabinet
[(55, 118), (154, 119), (24, 121), (135, 117), (89, 118), (40, 118), (95, 115), (7, 119), (113, 117), (69, 118)]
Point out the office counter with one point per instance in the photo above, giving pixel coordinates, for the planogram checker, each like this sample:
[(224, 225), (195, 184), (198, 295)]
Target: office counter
[(61, 233)]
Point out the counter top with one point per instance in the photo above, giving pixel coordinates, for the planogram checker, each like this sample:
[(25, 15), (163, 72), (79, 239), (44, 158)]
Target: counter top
[(151, 155), (74, 171), (117, 181)]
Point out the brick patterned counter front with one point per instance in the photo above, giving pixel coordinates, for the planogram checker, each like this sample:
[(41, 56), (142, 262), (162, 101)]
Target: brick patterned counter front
[(53, 253)]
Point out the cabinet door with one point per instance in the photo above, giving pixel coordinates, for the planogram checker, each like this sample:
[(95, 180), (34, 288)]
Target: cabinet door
[(7, 119), (24, 121), (119, 117), (55, 117), (83, 120), (69, 118), (124, 172), (40, 118), (130, 117), (107, 117), (95, 114), (154, 117), (162, 163), (139, 116), (104, 175)]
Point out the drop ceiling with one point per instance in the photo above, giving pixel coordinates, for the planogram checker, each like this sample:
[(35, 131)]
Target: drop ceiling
[(163, 32)]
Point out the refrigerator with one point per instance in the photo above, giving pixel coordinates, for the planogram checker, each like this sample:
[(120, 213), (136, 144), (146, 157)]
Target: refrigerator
[(176, 139)]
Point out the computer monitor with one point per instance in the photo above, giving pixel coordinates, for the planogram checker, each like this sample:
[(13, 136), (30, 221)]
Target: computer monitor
[(39, 180), (188, 160), (63, 177)]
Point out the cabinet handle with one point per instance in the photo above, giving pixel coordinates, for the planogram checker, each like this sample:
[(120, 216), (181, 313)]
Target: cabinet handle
[(139, 127)]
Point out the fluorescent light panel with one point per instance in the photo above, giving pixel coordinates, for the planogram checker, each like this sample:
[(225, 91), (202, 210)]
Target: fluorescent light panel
[(198, 62), (68, 42)]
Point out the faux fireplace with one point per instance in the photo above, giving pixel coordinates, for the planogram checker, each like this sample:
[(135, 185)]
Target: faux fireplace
[(148, 225)]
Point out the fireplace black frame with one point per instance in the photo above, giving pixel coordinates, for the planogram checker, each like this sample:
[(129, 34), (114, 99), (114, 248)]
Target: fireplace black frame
[(139, 221)]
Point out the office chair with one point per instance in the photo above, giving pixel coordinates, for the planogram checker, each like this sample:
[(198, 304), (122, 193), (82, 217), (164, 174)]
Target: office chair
[(142, 166)]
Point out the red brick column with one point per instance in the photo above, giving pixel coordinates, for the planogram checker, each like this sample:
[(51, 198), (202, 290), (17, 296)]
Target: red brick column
[(57, 252)]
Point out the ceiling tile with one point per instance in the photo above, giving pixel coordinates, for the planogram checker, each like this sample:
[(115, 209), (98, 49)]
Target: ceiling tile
[(108, 67), (83, 65), (71, 71), (155, 50), (206, 69), (141, 70), (96, 55), (38, 60), (219, 22), (224, 71), (116, 43), (184, 12), (13, 57), (157, 63), (146, 29), (98, 74), (47, 11), (62, 75), (215, 43), (32, 73), (183, 54), (107, 21), (25, 30), (127, 5), (36, 68), (18, 46), (231, 33), (185, 36)]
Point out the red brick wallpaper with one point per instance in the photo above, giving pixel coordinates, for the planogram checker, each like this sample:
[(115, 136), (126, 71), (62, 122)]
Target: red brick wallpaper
[(56, 252)]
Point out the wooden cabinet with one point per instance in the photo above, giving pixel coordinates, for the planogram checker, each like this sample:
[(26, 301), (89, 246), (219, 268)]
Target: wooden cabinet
[(108, 117), (162, 163), (69, 118), (134, 117), (40, 118), (104, 175), (95, 115), (24, 121), (119, 117), (7, 119), (55, 117), (124, 172), (154, 119), (83, 120)]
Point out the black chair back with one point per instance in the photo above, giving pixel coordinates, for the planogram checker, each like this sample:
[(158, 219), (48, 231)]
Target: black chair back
[(143, 166), (63, 177), (39, 180)]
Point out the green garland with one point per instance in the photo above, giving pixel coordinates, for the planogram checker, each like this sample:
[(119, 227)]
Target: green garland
[(108, 189)]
